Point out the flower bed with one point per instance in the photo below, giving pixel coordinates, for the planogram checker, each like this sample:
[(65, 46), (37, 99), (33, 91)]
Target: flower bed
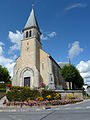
[(23, 93), (42, 103), (23, 96)]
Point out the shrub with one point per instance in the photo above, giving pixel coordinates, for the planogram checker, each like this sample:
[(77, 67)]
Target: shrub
[(76, 95), (70, 96), (2, 87), (22, 94), (16, 88), (66, 96), (45, 93), (34, 94), (57, 96)]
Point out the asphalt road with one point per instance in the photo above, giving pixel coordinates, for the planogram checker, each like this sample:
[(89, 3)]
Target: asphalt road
[(68, 112)]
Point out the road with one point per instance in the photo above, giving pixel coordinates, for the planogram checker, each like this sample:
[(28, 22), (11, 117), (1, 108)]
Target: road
[(68, 112)]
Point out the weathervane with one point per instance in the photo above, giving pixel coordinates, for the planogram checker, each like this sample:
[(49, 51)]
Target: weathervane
[(32, 4)]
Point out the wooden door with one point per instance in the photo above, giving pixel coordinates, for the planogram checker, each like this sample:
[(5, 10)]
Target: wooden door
[(27, 81)]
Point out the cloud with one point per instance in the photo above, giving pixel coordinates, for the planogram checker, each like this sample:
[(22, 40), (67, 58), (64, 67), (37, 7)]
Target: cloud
[(1, 43), (1, 50), (10, 67), (77, 5), (15, 39), (75, 49), (14, 57), (52, 34), (6, 62), (48, 36), (84, 68), (44, 37)]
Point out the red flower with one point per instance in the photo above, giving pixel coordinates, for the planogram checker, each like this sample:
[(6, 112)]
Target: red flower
[(8, 85), (42, 84)]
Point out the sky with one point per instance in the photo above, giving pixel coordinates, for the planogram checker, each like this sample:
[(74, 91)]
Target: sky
[(65, 27)]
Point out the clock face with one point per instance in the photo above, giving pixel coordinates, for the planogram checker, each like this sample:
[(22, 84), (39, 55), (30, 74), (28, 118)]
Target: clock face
[(27, 47), (27, 43)]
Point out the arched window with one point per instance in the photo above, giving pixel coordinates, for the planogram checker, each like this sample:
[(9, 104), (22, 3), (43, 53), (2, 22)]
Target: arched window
[(27, 34), (51, 77), (42, 66), (30, 33)]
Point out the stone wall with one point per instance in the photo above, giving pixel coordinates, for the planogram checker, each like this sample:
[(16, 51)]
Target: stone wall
[(58, 79), (74, 92)]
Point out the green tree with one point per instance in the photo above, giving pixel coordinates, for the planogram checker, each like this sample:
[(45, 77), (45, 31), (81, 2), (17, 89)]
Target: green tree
[(71, 74), (4, 75)]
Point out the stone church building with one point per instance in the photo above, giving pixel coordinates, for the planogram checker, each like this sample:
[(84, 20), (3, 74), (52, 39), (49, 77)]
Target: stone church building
[(34, 65)]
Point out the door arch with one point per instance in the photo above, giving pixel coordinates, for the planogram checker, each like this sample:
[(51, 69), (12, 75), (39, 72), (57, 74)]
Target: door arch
[(27, 76)]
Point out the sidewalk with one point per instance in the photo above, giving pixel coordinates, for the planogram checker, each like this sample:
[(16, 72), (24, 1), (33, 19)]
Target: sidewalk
[(25, 108)]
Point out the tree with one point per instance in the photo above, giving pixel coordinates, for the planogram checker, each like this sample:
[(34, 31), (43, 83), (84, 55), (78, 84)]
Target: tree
[(71, 74), (4, 75)]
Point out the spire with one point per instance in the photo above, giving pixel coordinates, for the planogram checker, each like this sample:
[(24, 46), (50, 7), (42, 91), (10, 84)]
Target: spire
[(69, 61), (31, 22)]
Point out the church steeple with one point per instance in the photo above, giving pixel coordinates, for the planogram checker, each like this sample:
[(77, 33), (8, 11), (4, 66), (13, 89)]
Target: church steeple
[(32, 21), (31, 28)]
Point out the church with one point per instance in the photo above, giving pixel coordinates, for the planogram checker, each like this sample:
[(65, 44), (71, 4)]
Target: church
[(34, 65)]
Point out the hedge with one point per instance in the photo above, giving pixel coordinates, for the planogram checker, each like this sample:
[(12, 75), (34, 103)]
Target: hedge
[(45, 93), (23, 93), (2, 87)]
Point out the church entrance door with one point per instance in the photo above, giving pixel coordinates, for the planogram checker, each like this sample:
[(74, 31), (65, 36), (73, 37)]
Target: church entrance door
[(27, 81)]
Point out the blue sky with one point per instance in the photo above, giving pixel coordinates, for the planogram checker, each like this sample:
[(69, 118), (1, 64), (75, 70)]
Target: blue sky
[(65, 27)]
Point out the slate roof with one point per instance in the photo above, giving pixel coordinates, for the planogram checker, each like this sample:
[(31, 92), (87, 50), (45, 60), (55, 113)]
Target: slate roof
[(32, 21)]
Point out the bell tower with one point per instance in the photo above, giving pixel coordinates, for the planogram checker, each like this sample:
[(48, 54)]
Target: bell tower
[(30, 47), (31, 28)]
